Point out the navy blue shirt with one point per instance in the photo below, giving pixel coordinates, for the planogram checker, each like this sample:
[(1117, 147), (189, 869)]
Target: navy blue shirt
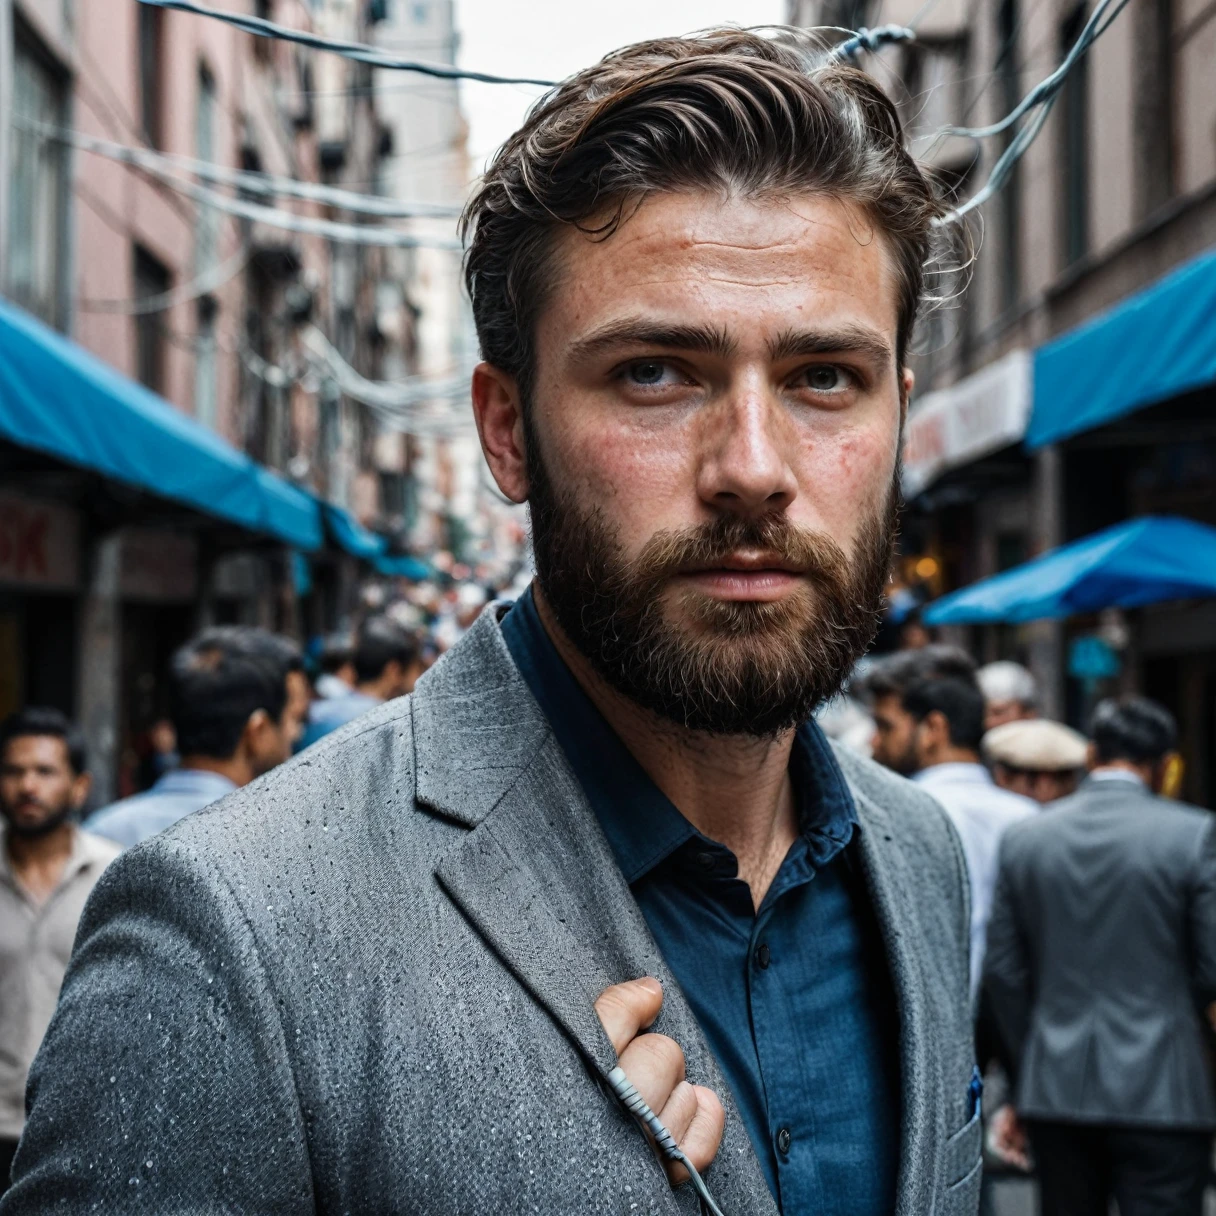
[(795, 1001)]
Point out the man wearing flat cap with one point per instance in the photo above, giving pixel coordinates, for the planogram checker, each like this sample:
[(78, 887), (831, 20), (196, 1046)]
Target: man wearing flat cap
[(1036, 758)]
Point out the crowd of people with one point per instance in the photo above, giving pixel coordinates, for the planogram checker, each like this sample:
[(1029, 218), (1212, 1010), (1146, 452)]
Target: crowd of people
[(242, 700), (1093, 900), (1093, 923)]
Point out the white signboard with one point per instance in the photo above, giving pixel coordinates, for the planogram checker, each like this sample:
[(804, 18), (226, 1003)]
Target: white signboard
[(39, 544), (973, 418)]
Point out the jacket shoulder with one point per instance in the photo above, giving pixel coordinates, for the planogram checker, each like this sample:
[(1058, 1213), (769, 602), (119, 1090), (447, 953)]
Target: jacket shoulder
[(914, 811)]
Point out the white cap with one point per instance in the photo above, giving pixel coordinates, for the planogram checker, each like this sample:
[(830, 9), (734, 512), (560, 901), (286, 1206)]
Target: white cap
[(1006, 681), (1037, 745)]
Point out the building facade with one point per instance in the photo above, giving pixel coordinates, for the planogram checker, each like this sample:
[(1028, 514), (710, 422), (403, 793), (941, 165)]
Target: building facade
[(206, 308), (1117, 192)]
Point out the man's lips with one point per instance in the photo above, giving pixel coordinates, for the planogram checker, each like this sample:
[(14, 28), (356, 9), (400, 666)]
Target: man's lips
[(746, 576)]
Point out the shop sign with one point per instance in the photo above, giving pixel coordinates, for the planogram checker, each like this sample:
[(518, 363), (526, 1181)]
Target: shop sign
[(158, 567), (971, 419), (39, 544)]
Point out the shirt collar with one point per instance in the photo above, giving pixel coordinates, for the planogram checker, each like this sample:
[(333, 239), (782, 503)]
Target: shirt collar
[(955, 772), (641, 823), (1117, 774), (193, 781)]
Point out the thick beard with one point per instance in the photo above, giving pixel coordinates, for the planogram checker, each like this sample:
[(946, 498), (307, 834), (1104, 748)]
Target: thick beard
[(44, 827), (735, 668)]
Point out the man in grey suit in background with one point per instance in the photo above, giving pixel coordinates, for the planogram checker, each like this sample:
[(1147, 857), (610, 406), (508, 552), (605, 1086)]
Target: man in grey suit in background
[(603, 843), (1101, 959)]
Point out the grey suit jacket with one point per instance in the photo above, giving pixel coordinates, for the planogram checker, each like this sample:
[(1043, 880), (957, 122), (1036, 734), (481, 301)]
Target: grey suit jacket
[(1101, 952), (364, 984)]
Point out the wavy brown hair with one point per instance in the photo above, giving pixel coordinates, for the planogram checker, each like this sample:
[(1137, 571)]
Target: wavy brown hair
[(759, 113)]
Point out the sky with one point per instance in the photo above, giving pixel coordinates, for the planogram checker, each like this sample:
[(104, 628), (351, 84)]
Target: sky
[(549, 39)]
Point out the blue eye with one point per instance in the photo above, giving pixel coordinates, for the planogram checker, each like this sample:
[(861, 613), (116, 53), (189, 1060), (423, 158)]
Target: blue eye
[(826, 379), (650, 371)]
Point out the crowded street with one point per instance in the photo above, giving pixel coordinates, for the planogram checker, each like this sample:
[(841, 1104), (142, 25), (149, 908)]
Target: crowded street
[(608, 610)]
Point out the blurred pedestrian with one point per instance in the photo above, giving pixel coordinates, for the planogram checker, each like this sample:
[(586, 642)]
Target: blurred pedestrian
[(1010, 693), (337, 662), (1101, 956), (237, 699), (1036, 758), (387, 663), (48, 866), (884, 685), (949, 718)]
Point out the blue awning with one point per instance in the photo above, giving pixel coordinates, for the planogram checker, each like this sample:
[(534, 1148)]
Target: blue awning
[(1139, 562), (349, 534), (1152, 346), (57, 398), (402, 566)]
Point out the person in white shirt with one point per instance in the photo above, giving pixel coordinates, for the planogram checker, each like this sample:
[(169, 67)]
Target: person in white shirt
[(949, 718)]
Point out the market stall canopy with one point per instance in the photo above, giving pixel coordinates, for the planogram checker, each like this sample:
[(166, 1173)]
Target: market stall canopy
[(349, 534), (57, 398), (1152, 346), (1142, 561), (402, 565)]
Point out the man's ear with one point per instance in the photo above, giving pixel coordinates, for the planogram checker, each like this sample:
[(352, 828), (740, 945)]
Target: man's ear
[(907, 382), (498, 409), (80, 790), (253, 737)]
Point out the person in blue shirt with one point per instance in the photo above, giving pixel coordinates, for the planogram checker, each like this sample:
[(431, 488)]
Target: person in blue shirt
[(386, 663), (238, 697)]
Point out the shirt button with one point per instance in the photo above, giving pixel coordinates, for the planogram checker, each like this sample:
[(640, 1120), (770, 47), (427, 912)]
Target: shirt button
[(763, 958), (783, 1141), (706, 861)]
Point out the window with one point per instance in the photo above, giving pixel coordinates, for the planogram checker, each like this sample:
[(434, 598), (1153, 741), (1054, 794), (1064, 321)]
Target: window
[(1008, 25), (151, 73), (151, 281), (205, 377), (1074, 151), (1154, 123), (207, 225), (37, 218)]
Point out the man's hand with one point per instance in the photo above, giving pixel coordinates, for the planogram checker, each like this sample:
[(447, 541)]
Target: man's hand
[(654, 1065), (1007, 1138)]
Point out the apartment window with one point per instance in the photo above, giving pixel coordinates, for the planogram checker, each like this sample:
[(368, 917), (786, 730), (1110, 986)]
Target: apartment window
[(37, 219), (1154, 123), (1074, 144), (151, 72), (151, 282), (206, 234), (1008, 25), (206, 385)]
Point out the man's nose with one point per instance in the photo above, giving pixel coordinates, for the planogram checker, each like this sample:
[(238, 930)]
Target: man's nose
[(746, 467)]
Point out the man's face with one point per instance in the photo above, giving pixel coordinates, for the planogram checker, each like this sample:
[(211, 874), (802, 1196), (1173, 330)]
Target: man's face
[(39, 789), (712, 452), (997, 713), (270, 742), (895, 735)]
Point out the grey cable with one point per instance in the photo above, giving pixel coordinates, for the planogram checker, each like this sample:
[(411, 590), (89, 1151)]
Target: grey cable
[(358, 51), (268, 185), (635, 1104), (869, 40)]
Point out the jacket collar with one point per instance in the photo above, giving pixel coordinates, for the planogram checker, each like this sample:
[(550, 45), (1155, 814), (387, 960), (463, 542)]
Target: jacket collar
[(538, 880)]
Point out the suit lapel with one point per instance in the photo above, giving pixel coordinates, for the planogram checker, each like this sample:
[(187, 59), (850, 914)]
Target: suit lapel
[(894, 905), (538, 880)]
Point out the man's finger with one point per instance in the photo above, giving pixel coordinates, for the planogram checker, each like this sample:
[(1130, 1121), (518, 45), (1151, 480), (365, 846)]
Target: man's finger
[(700, 1142), (624, 1009), (654, 1065)]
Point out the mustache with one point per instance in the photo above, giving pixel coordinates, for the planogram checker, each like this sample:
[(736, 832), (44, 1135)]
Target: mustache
[(706, 546)]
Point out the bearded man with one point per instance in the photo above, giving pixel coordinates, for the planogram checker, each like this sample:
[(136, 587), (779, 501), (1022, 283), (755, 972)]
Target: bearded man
[(48, 867), (601, 856)]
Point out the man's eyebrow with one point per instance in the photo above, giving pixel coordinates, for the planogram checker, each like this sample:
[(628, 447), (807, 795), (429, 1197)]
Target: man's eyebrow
[(636, 331), (848, 340)]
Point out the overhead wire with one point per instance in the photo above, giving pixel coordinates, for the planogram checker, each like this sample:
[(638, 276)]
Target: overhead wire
[(1043, 97), (360, 52), (266, 185)]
